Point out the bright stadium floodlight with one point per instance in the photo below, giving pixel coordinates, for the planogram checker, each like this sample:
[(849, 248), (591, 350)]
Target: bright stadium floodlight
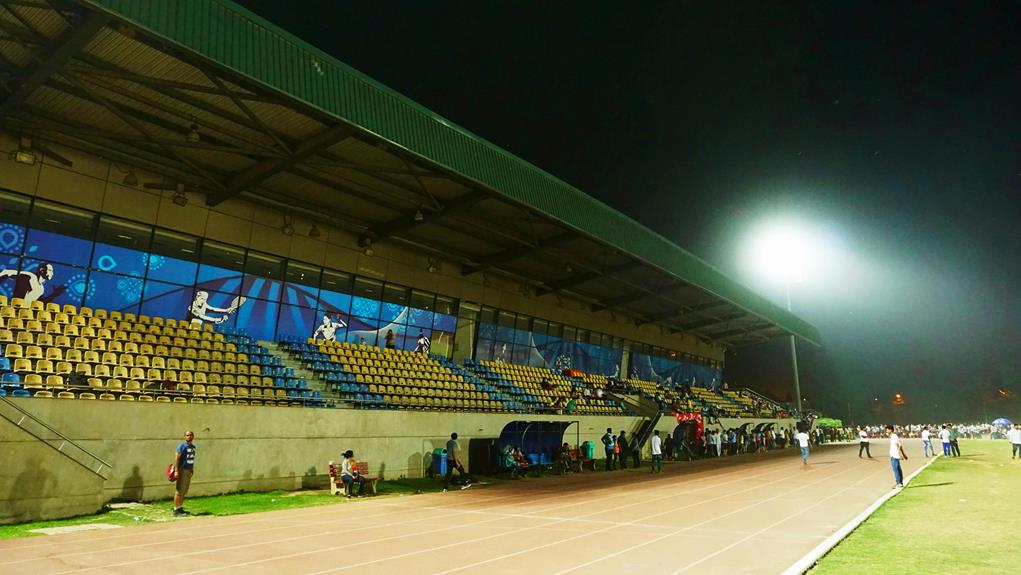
[(780, 252)]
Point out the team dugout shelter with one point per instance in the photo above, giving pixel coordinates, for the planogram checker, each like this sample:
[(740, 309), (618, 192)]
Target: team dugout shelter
[(157, 150)]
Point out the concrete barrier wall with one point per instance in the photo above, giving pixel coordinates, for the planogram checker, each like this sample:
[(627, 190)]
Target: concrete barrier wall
[(245, 448), (240, 448)]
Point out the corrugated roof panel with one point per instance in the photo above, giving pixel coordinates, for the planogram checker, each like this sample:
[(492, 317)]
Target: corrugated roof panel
[(230, 35)]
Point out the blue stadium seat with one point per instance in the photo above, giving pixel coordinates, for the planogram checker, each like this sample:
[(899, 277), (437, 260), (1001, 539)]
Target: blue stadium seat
[(21, 393), (11, 377)]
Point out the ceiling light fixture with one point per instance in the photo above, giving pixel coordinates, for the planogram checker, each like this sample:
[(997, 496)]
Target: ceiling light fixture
[(419, 216), (434, 265), (179, 196), (288, 228), (130, 179), (24, 153), (314, 232), (366, 242), (193, 132)]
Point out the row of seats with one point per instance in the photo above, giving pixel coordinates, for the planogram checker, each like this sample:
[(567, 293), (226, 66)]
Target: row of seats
[(527, 383), (177, 398), (390, 378)]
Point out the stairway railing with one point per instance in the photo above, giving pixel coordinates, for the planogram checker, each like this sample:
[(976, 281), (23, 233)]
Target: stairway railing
[(56, 440)]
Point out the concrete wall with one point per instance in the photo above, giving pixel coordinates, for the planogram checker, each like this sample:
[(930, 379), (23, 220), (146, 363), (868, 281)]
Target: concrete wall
[(251, 448), (95, 183)]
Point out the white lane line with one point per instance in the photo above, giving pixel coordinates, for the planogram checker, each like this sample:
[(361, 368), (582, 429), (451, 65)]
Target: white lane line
[(810, 558), (776, 523), (715, 482)]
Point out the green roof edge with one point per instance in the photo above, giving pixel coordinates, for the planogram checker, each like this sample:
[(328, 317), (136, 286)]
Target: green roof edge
[(244, 42)]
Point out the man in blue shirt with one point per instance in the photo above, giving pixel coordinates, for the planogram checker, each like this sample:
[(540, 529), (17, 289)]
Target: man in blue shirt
[(184, 466)]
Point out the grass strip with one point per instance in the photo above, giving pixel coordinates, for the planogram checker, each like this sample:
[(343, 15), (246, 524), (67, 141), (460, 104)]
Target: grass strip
[(958, 516), (220, 505)]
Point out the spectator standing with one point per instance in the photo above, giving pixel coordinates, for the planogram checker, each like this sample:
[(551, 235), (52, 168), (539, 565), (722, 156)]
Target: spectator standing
[(389, 339), (896, 454), (454, 462), (1014, 435), (668, 447), (608, 446), (657, 452), (944, 438), (802, 438), (955, 448), (184, 467), (863, 442), (927, 442)]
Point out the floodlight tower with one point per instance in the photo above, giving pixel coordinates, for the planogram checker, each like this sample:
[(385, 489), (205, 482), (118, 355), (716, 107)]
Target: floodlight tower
[(794, 357), (781, 254)]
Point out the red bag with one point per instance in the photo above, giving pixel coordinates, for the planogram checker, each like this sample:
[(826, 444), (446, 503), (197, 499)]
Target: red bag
[(171, 472)]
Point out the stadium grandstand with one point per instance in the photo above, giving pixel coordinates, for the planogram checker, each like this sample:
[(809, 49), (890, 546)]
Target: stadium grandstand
[(206, 222)]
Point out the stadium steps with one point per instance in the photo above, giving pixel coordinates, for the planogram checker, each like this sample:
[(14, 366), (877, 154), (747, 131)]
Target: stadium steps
[(314, 382), (54, 439), (639, 405)]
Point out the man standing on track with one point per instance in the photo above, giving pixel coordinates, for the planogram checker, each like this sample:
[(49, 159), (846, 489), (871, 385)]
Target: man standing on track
[(184, 466), (927, 442), (896, 454), (863, 442), (802, 438), (657, 452), (454, 462), (608, 446)]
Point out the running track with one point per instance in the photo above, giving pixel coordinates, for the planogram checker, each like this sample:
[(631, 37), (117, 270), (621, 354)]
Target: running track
[(749, 514)]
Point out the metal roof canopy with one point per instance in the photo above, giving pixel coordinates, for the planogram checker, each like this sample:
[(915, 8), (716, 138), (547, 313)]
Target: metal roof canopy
[(217, 98)]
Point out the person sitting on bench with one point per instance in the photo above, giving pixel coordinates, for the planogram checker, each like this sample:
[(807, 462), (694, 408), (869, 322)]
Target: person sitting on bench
[(349, 474), (511, 464), (522, 461), (565, 459)]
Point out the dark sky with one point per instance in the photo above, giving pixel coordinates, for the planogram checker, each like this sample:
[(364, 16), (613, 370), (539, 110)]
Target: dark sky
[(897, 127)]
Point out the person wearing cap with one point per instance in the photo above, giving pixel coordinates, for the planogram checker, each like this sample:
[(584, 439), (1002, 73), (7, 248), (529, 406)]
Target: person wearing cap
[(349, 474)]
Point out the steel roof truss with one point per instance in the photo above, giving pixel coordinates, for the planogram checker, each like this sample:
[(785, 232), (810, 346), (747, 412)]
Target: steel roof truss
[(511, 254), (588, 276), (140, 128), (265, 169), (406, 222), (59, 52)]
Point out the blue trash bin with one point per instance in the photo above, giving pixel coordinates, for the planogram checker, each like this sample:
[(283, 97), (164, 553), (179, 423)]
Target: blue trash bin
[(439, 462)]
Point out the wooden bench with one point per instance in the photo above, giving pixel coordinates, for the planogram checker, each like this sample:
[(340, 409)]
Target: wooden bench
[(337, 485)]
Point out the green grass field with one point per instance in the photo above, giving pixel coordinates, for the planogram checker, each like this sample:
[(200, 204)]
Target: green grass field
[(960, 516), (234, 504)]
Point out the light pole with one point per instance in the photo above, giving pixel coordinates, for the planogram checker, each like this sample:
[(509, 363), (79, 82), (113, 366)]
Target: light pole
[(794, 357)]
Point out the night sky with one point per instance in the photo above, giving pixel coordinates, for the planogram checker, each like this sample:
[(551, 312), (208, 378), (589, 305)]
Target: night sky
[(894, 128)]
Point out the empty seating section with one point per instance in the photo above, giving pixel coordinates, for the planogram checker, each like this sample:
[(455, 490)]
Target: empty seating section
[(526, 383), (393, 379), (65, 352)]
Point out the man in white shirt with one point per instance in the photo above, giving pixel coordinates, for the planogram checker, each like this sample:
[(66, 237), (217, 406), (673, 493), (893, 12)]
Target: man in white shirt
[(1014, 435), (802, 438), (657, 452), (896, 454), (863, 442), (927, 442), (944, 437)]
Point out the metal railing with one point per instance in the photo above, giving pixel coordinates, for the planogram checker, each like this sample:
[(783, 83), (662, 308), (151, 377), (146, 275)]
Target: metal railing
[(59, 442)]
